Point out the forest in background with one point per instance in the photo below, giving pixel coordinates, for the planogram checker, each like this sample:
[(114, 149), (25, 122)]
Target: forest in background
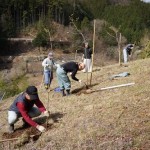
[(48, 18), (130, 17)]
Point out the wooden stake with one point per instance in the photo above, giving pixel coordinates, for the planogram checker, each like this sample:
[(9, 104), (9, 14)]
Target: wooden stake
[(93, 51)]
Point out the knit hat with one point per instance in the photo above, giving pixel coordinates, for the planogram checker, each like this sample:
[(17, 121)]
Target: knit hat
[(50, 55), (32, 92)]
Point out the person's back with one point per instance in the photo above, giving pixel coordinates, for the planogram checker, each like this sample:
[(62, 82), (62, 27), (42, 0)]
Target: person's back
[(70, 66), (63, 79)]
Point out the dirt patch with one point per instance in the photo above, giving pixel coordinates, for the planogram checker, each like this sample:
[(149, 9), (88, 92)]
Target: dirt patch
[(30, 130), (86, 89), (79, 91)]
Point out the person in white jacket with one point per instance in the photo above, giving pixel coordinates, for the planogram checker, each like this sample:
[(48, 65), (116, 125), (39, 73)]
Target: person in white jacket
[(127, 52), (48, 64)]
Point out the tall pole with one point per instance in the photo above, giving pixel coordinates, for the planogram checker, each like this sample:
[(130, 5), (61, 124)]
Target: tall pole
[(93, 50)]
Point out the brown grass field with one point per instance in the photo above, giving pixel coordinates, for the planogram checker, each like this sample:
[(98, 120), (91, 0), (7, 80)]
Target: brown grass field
[(114, 119)]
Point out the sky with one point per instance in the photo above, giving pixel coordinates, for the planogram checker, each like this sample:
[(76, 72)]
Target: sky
[(146, 1)]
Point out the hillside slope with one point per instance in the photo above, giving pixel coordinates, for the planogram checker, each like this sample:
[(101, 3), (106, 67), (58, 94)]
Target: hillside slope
[(105, 120)]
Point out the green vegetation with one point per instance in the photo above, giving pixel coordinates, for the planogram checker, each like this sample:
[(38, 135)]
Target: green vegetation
[(14, 87), (108, 35), (40, 40), (131, 18), (146, 52)]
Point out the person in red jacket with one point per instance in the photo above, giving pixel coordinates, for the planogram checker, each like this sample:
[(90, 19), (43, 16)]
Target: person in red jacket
[(23, 106)]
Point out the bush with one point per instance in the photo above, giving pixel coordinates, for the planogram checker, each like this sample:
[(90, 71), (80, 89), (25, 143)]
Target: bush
[(108, 35), (40, 40), (15, 87), (146, 52)]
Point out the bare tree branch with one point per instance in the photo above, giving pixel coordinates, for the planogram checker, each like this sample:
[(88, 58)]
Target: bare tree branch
[(76, 28)]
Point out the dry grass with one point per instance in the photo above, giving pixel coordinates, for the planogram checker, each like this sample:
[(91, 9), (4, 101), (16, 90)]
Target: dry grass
[(116, 119)]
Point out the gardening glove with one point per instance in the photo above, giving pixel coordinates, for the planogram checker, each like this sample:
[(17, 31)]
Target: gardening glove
[(46, 65), (80, 81), (40, 128), (57, 65), (46, 113)]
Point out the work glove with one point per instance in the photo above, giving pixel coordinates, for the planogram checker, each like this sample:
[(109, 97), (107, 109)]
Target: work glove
[(80, 81), (40, 128), (57, 65), (46, 113), (46, 65)]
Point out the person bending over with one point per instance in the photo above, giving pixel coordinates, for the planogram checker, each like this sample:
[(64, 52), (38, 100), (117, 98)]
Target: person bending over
[(62, 77)]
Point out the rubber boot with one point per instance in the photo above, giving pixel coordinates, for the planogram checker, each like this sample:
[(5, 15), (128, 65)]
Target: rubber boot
[(25, 124), (68, 92), (11, 128), (46, 86), (63, 92)]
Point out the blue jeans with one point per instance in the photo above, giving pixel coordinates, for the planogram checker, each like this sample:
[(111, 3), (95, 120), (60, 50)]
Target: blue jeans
[(47, 77), (63, 79)]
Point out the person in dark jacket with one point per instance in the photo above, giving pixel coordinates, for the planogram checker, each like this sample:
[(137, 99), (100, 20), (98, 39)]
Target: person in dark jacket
[(63, 79), (23, 106), (127, 52), (87, 58)]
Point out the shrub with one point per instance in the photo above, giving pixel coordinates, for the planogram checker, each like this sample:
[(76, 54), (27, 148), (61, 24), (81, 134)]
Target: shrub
[(15, 87), (146, 52), (40, 40)]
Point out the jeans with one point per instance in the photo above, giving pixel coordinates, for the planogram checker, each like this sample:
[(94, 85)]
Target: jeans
[(13, 116), (47, 77), (63, 79)]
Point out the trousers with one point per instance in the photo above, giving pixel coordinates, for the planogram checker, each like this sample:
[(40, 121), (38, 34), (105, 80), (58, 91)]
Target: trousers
[(47, 77), (125, 55), (63, 79), (13, 117)]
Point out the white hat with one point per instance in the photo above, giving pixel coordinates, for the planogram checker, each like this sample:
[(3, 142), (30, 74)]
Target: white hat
[(50, 55)]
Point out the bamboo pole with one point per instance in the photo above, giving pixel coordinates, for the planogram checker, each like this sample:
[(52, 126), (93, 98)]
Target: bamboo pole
[(47, 108), (5, 140), (116, 86), (93, 51), (17, 138), (109, 87)]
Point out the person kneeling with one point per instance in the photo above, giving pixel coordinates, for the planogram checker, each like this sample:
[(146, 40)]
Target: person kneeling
[(23, 107)]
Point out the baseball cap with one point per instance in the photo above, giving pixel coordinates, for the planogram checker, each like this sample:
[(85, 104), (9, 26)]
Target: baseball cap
[(32, 92), (50, 55)]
